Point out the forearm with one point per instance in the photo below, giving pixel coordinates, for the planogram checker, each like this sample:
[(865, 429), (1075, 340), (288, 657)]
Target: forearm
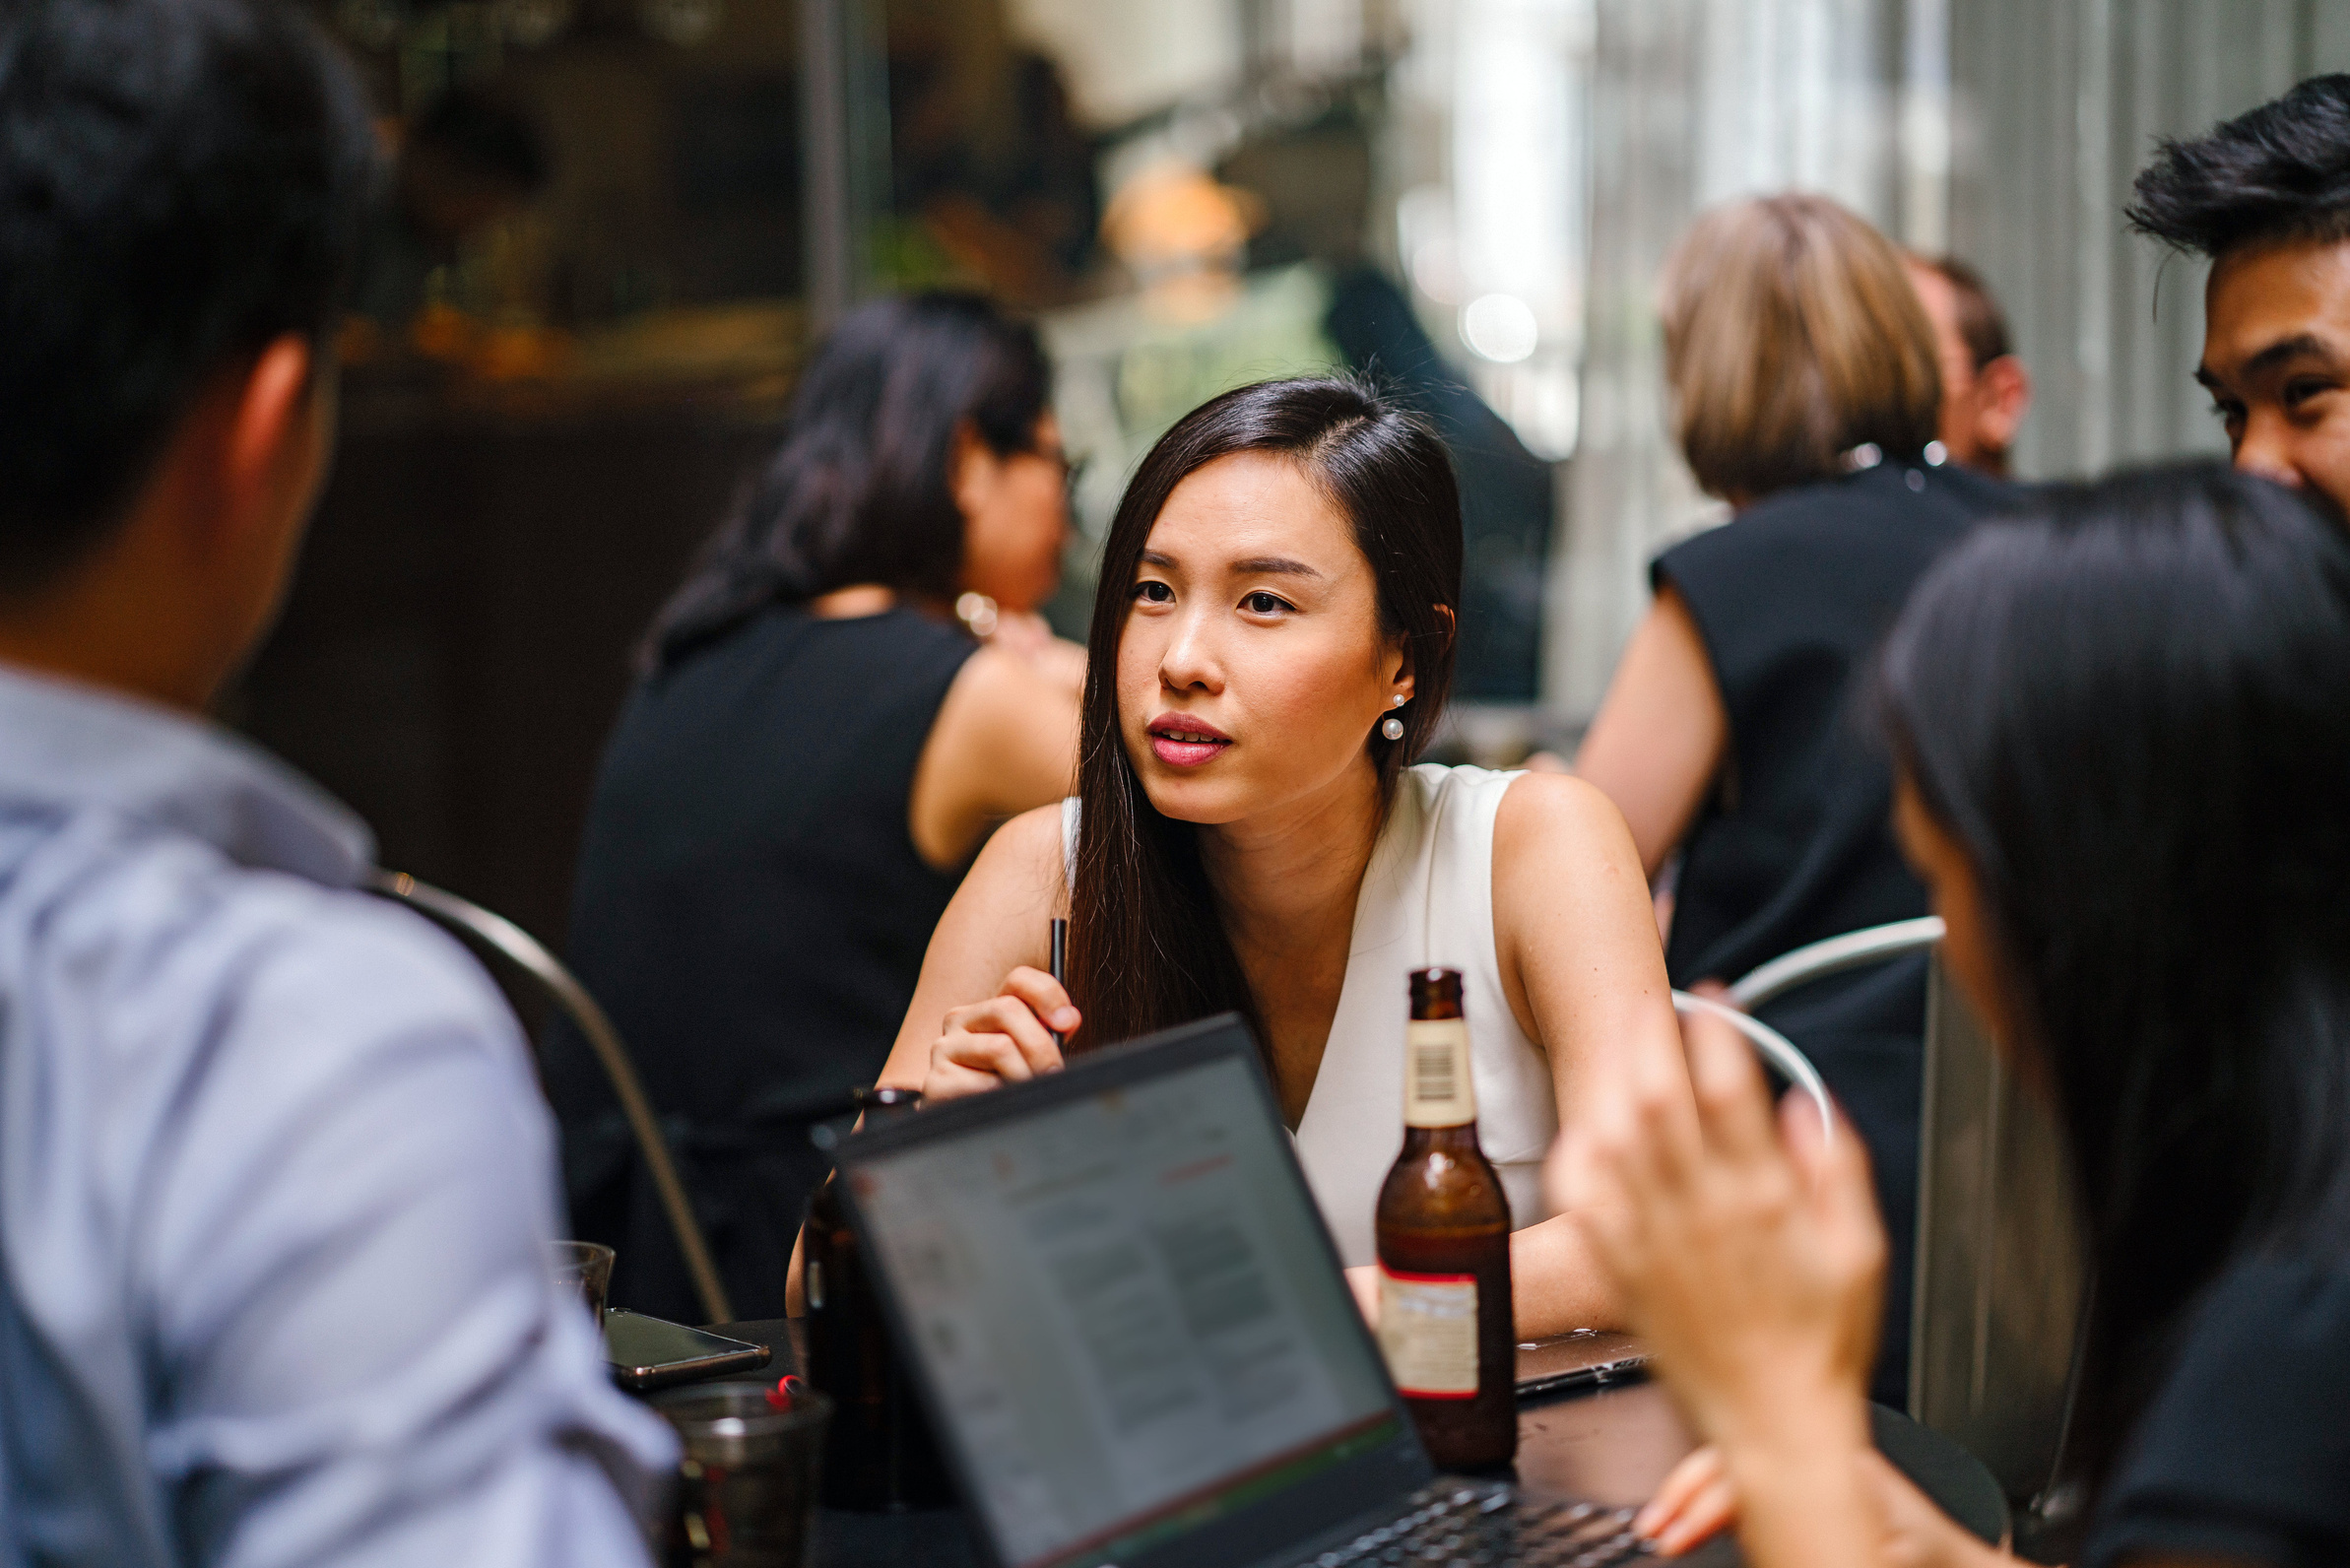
[(1556, 1284)]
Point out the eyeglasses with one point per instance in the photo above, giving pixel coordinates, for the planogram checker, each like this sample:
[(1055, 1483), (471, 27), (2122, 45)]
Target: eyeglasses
[(1072, 470)]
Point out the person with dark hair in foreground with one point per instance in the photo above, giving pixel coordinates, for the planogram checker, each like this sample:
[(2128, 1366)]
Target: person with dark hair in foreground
[(1271, 646), (2266, 198), (1986, 389), (2123, 731), (817, 748), (275, 1188)]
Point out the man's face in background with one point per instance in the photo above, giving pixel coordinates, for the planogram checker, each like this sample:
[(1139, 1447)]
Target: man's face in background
[(1981, 404), (2276, 360)]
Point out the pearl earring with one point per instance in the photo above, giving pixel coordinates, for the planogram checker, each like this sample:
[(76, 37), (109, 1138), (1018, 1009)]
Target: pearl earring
[(1391, 726)]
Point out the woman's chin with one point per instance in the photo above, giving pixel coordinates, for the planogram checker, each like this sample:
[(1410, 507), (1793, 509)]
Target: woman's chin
[(1191, 798)]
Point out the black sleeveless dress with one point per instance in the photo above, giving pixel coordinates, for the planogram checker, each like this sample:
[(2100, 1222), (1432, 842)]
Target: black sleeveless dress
[(1796, 844), (752, 913)]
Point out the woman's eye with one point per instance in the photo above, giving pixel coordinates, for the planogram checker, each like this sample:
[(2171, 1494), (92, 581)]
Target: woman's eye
[(1262, 603), (1151, 592)]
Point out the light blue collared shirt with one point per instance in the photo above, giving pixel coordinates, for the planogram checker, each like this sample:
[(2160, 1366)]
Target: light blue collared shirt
[(275, 1184)]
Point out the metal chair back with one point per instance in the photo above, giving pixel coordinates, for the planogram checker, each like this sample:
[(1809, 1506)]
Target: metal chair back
[(522, 957), (1773, 1047), (2003, 1272)]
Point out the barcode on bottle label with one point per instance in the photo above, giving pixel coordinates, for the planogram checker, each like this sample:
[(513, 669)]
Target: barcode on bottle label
[(1428, 1333), (1437, 1090), (1432, 1073)]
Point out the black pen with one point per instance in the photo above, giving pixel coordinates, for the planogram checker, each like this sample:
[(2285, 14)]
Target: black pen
[(1059, 966)]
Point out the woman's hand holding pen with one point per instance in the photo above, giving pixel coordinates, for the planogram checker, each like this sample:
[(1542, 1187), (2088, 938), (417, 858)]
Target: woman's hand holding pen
[(1006, 1039)]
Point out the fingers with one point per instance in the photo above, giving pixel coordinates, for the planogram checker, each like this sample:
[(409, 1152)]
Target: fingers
[(1834, 1168), (1363, 1280), (1692, 1475), (1696, 1503), (1006, 1039), (1045, 998), (1734, 1107), (1002, 1033), (949, 1080)]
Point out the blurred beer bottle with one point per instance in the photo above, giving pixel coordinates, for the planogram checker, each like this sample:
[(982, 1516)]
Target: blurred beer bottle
[(1444, 1249), (879, 1453)]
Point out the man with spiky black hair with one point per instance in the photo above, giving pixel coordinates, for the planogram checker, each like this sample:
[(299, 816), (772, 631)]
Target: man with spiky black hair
[(2267, 197)]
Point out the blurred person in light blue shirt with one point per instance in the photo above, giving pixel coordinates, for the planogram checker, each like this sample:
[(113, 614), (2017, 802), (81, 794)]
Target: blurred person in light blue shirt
[(274, 1183)]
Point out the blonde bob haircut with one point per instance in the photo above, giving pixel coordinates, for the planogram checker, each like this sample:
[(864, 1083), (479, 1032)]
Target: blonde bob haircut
[(1792, 336)]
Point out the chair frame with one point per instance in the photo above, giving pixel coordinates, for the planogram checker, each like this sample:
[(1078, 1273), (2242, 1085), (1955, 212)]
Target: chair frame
[(524, 952)]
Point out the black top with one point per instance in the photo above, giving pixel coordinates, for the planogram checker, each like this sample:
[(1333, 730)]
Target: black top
[(2245, 1452), (1796, 844), (753, 914)]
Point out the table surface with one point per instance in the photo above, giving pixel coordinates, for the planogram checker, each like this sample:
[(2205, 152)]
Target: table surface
[(1612, 1446)]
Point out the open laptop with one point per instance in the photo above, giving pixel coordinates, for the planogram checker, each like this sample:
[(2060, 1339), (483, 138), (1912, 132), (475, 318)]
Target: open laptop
[(1133, 1336)]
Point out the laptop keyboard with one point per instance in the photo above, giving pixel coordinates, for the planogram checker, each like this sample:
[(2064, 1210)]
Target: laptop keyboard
[(1452, 1525)]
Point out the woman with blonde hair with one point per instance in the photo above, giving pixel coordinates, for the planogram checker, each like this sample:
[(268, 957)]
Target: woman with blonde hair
[(1804, 393)]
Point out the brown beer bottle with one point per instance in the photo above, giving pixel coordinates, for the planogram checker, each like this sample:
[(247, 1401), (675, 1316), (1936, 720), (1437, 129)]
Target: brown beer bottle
[(880, 1455), (1444, 1249)]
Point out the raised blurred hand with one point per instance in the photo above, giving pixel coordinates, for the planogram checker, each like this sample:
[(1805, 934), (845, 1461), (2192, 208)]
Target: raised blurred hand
[(1750, 1258)]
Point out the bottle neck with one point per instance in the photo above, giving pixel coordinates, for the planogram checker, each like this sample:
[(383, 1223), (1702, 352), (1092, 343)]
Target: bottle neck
[(1456, 1139), (1438, 1089)]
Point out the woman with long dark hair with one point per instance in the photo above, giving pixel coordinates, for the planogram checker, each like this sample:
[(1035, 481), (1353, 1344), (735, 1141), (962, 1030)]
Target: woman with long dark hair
[(1271, 648), (816, 748), (2123, 734)]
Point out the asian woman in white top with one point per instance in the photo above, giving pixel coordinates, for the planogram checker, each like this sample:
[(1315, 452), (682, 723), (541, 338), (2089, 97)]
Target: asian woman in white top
[(1271, 647)]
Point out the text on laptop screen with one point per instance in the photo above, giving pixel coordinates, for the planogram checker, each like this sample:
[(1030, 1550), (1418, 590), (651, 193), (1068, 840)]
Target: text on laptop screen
[(1126, 1307)]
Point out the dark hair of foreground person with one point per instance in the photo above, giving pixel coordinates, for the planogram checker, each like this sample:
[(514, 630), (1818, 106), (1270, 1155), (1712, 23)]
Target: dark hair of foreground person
[(2132, 713), (153, 227), (860, 487), (1146, 947)]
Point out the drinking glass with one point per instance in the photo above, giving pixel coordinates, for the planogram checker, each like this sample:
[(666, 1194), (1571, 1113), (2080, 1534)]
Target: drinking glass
[(748, 1483), (584, 1266)]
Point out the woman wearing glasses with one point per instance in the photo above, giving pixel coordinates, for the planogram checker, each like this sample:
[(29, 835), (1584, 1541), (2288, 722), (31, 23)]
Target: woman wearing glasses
[(816, 750)]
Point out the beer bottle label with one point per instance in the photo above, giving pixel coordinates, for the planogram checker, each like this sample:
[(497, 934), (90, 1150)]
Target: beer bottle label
[(1429, 1332), (1437, 1091)]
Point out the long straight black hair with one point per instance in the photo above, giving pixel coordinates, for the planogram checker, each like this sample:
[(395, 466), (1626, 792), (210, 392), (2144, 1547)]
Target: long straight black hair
[(1147, 947), (2131, 711), (861, 489)]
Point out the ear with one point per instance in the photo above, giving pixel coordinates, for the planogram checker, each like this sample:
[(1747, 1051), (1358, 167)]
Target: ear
[(971, 468), (2007, 396), (1400, 672), (270, 444)]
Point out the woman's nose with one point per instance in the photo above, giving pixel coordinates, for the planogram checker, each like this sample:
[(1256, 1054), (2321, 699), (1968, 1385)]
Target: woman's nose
[(1190, 660)]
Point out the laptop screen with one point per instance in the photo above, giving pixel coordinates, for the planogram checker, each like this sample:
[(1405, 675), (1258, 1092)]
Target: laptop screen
[(1126, 1307)]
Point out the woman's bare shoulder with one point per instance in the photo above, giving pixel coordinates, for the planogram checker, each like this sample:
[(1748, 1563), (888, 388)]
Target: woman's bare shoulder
[(1561, 851), (1020, 867), (1539, 810)]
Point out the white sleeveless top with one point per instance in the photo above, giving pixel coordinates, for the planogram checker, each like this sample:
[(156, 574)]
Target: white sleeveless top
[(1426, 898)]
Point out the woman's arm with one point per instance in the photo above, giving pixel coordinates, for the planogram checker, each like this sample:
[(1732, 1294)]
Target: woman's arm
[(1660, 734), (999, 921), (1584, 974), (998, 924), (1004, 741)]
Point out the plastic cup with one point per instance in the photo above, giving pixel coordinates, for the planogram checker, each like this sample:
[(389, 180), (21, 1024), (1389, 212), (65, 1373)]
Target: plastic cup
[(748, 1483)]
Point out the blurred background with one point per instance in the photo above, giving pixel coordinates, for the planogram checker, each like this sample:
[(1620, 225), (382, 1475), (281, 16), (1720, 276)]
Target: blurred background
[(619, 223)]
